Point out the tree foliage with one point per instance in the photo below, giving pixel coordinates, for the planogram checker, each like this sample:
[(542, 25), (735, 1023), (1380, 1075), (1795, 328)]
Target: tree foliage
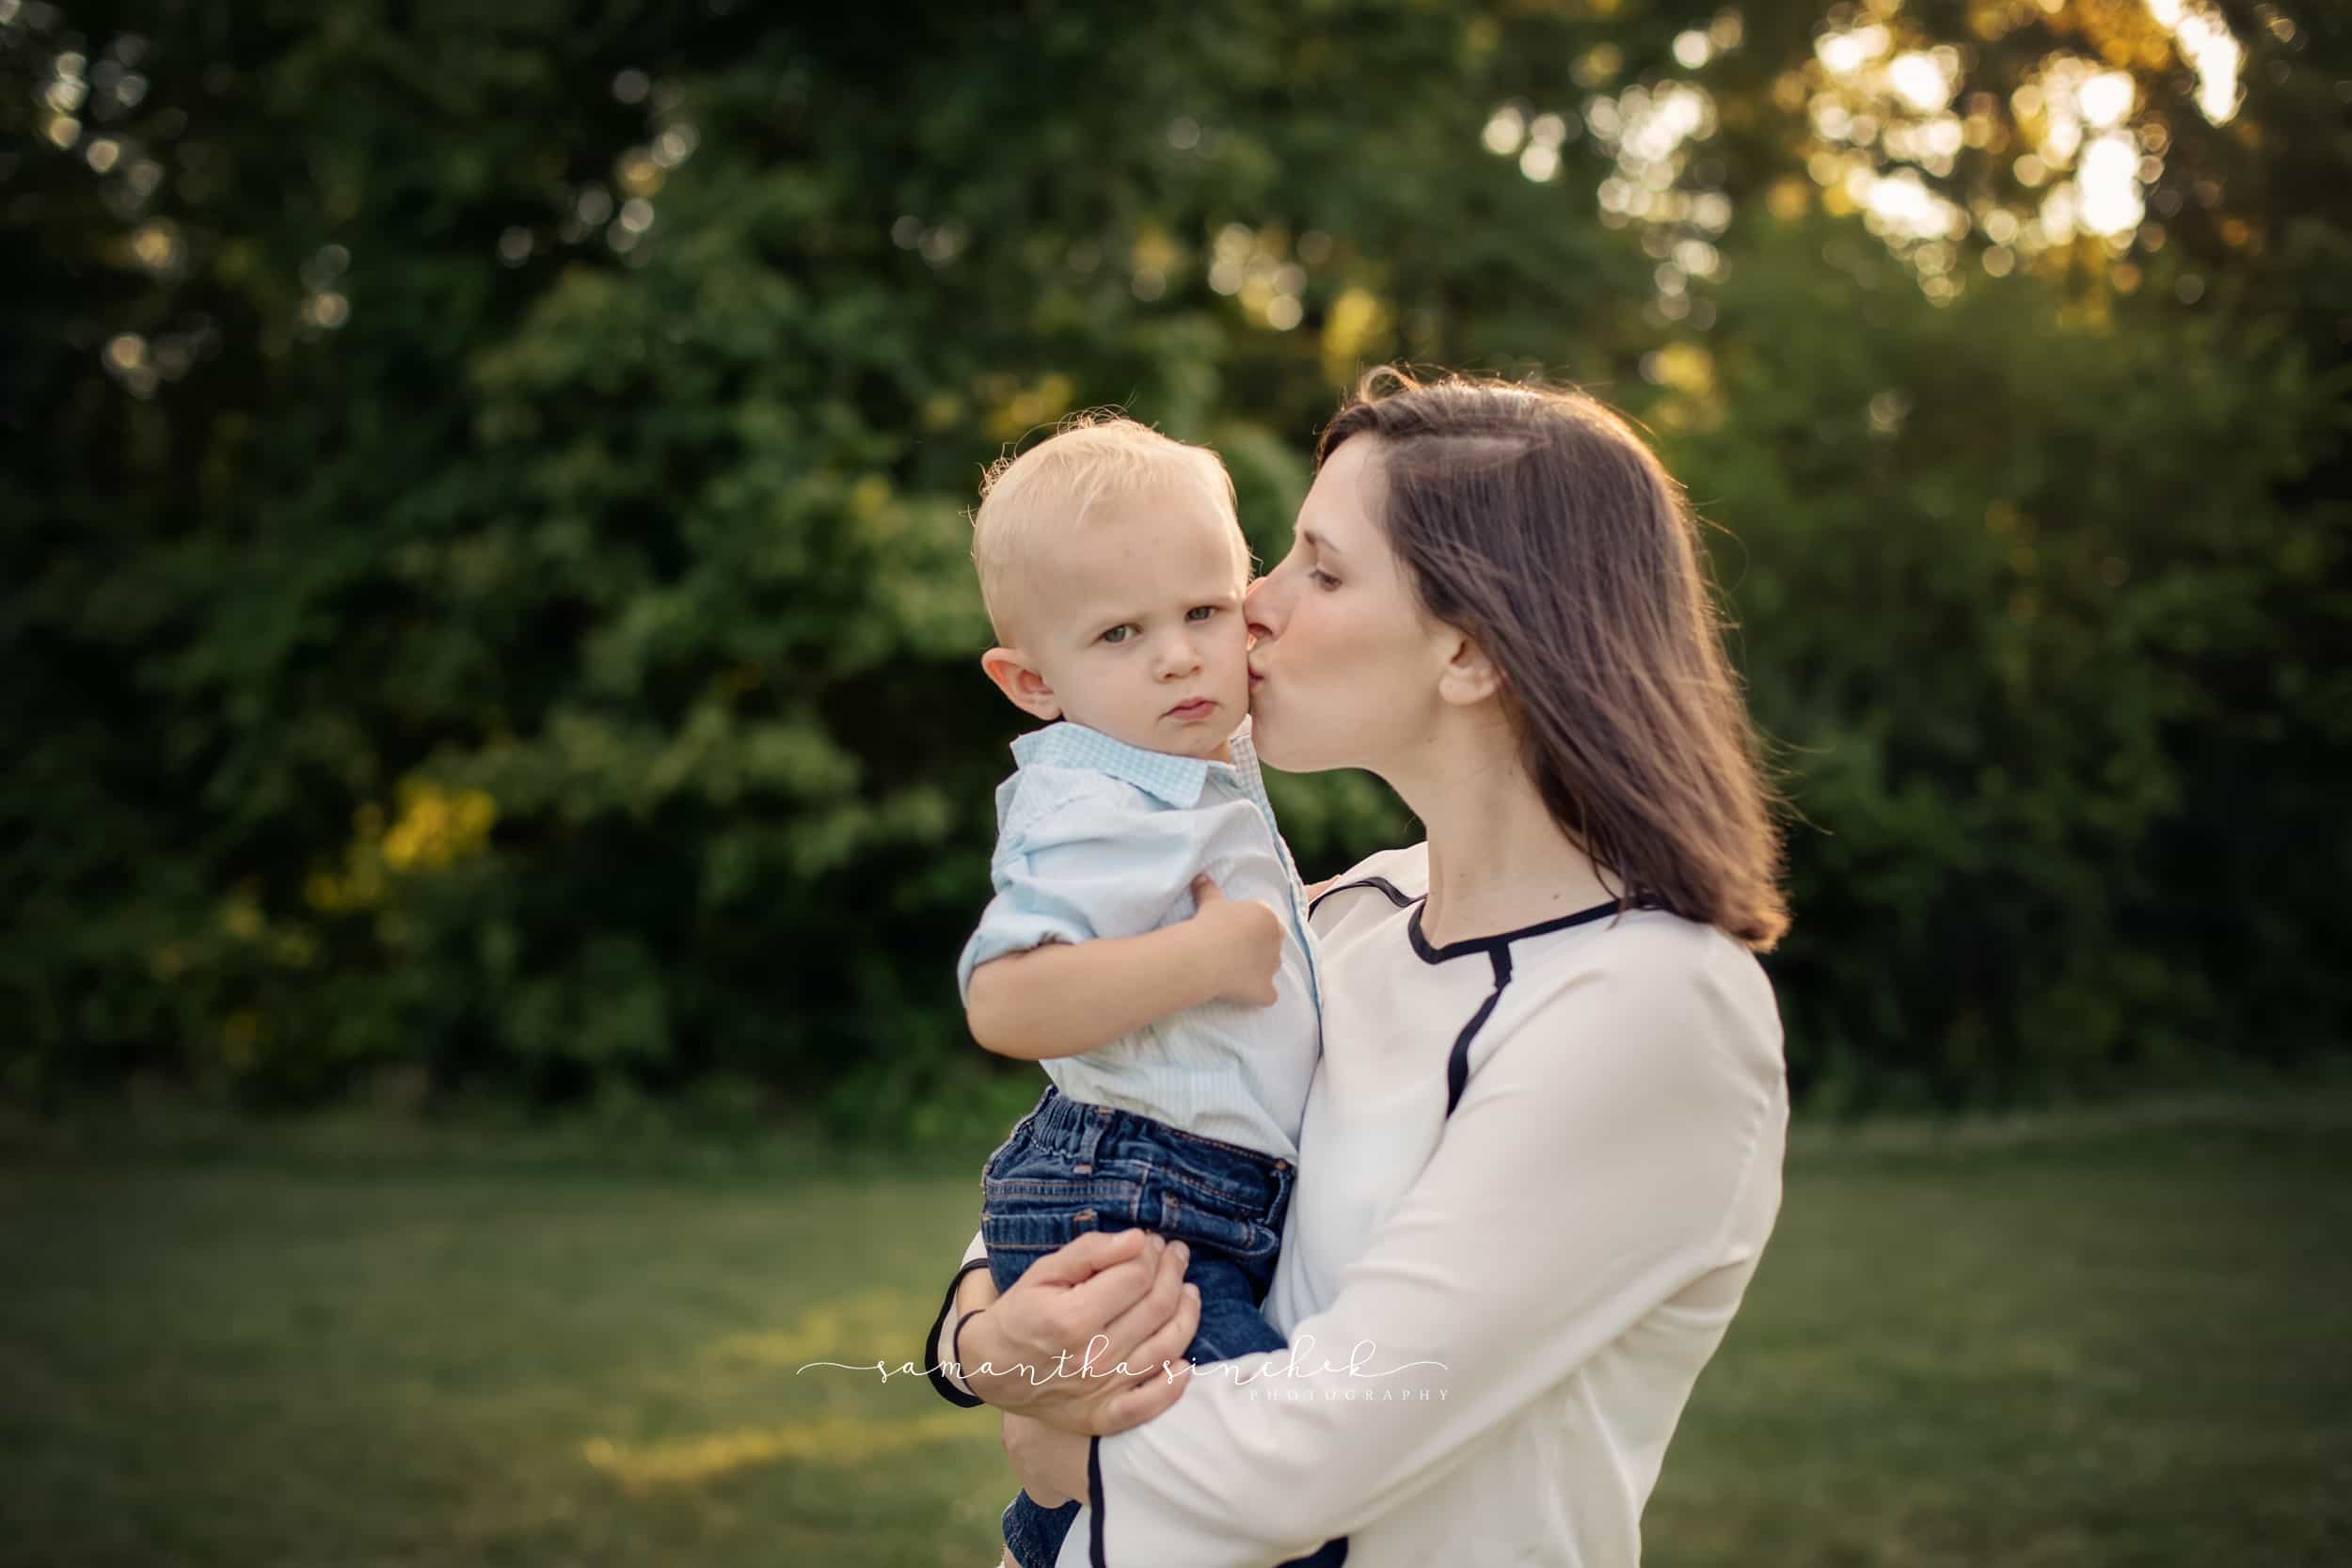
[(487, 580)]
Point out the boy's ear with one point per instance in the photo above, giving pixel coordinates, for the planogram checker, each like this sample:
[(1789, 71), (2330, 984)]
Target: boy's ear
[(1021, 683)]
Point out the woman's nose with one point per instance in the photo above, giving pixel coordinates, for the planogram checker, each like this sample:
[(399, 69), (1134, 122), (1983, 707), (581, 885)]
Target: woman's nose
[(1261, 609)]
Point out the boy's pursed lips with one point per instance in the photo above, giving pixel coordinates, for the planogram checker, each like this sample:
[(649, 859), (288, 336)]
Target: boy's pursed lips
[(1203, 704)]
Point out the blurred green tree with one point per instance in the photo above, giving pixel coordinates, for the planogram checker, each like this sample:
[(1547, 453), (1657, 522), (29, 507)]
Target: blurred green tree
[(488, 585)]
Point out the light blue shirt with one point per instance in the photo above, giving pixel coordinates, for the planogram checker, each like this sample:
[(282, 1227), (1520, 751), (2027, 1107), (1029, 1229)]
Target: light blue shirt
[(1098, 838)]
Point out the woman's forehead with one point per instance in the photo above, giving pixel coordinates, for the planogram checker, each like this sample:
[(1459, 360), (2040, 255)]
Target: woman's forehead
[(1340, 506)]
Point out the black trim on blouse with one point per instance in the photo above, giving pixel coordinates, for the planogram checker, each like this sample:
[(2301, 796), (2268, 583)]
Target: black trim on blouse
[(947, 1390), (1497, 949), (1503, 940), (1396, 894), (1457, 1060), (1469, 944), (1096, 1554)]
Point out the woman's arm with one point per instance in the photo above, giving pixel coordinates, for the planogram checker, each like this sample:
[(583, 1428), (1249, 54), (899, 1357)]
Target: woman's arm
[(1591, 1172), (1047, 1460)]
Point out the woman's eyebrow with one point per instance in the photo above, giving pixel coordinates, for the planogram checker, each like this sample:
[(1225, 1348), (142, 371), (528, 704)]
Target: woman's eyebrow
[(1319, 542)]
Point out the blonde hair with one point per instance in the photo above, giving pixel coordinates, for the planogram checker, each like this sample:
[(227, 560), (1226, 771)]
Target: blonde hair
[(1025, 500)]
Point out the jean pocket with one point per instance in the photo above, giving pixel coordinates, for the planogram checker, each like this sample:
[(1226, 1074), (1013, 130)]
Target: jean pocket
[(1036, 1214), (1210, 1183), (1216, 1227), (1033, 1233)]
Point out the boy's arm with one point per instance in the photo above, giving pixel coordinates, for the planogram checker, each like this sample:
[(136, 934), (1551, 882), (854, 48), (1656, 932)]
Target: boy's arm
[(1077, 950), (1065, 998)]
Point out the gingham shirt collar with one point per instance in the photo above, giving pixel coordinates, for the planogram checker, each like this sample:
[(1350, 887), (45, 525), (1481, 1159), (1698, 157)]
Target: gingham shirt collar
[(1178, 781)]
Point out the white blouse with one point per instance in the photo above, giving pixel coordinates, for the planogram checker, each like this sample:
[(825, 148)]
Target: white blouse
[(1495, 1315)]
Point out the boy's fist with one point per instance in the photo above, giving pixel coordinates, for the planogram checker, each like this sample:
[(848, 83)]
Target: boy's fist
[(1245, 942)]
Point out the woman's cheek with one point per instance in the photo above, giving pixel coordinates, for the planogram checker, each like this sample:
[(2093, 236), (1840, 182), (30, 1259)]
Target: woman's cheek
[(1307, 639)]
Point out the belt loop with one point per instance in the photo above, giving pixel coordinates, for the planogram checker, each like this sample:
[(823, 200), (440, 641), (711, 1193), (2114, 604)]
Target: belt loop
[(1089, 1139)]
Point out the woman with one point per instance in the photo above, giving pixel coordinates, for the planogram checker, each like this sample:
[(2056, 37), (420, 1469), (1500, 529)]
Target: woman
[(1542, 1149)]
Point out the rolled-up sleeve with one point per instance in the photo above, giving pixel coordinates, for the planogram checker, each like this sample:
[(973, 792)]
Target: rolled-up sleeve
[(1082, 856), (1594, 1169)]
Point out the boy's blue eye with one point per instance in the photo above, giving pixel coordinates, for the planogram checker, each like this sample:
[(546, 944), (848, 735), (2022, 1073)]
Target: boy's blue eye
[(1200, 613), (1116, 635)]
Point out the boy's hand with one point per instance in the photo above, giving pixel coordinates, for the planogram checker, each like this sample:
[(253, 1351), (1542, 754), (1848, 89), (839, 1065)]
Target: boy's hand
[(1245, 942)]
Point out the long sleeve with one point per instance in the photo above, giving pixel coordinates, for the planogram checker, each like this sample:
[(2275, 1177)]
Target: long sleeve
[(1617, 1149), (936, 1353)]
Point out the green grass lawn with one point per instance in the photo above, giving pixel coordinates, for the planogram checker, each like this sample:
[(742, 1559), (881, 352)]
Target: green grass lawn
[(2105, 1345)]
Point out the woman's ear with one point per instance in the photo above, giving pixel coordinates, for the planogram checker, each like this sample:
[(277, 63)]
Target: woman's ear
[(1468, 675), (1018, 679)]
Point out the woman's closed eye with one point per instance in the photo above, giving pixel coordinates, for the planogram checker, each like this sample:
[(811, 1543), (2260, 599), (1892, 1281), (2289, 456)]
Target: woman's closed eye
[(1315, 573)]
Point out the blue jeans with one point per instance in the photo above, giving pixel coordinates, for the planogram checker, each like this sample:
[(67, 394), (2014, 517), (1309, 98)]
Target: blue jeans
[(1071, 1168)]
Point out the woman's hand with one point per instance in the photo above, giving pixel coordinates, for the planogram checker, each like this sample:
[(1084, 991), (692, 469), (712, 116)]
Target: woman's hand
[(1091, 1338), (1244, 940), (1050, 1463)]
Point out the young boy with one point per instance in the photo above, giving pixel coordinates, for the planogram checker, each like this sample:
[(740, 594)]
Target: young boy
[(1178, 1048)]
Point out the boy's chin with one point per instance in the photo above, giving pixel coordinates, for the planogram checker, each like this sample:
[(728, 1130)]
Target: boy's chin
[(1223, 733)]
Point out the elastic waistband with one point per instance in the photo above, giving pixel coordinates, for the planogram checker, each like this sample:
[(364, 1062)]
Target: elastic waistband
[(1061, 1123)]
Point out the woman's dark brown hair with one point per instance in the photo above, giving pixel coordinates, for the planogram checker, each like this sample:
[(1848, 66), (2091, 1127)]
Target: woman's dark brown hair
[(1534, 521)]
